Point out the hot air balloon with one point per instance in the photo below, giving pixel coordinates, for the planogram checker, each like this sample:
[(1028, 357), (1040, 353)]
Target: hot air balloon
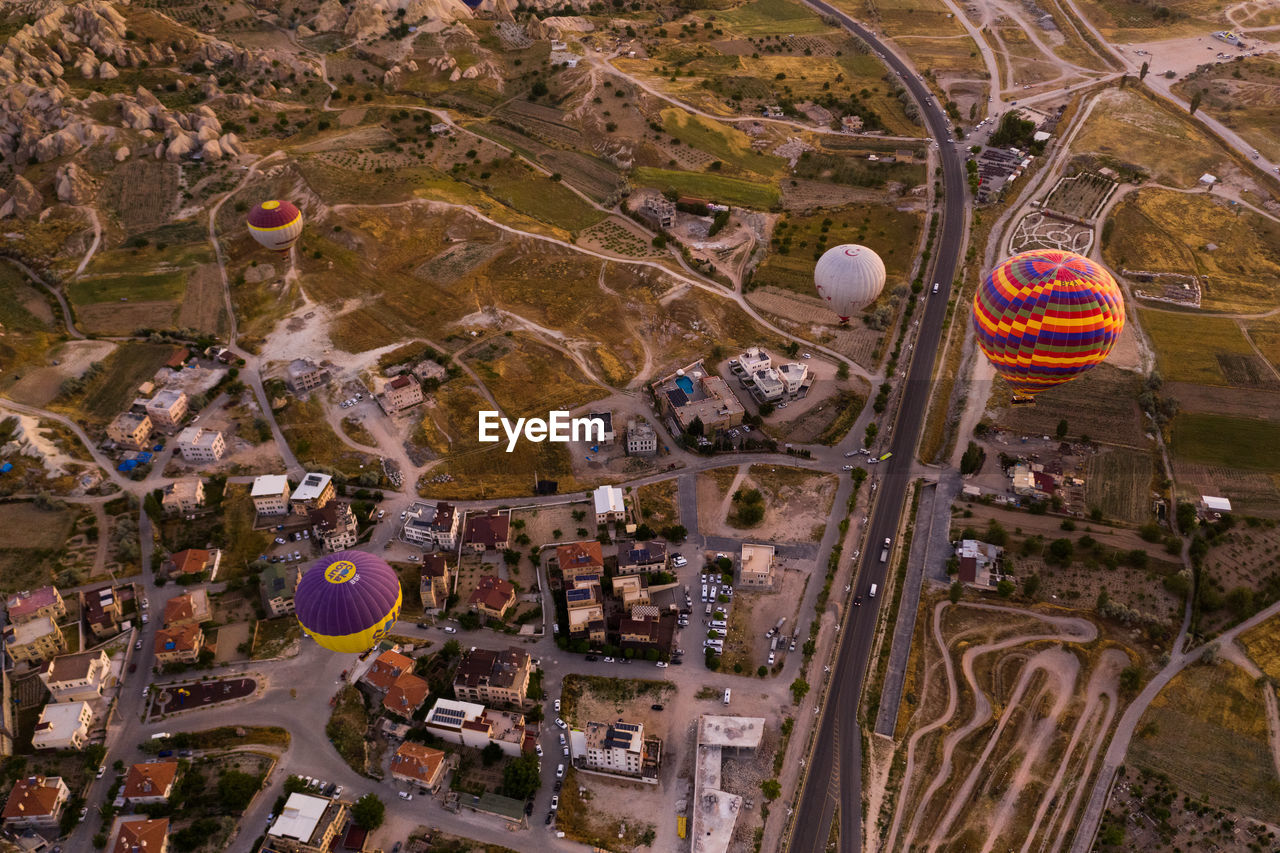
[(348, 601), (1046, 316), (276, 225), (849, 278)]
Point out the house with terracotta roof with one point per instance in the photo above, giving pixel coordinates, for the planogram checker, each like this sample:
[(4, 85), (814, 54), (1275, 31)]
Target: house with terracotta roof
[(179, 644), (492, 596), (151, 782), (406, 695), (143, 836), (580, 558), (435, 581), (490, 531), (194, 561), (79, 677), (45, 601), (189, 609), (418, 765), (386, 669), (493, 677), (35, 802), (399, 394)]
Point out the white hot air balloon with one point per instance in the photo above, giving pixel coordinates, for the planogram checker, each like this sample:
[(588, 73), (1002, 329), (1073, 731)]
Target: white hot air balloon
[(849, 278)]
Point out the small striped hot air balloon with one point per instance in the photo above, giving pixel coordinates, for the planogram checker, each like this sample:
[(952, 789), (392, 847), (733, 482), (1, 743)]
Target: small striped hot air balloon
[(849, 278), (276, 225), (348, 601), (1046, 316)]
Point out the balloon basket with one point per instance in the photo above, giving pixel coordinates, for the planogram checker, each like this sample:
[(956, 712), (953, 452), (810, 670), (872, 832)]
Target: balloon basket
[(1023, 400)]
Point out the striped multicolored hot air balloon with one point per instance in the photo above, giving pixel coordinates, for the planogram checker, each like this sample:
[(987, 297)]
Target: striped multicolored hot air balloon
[(276, 225), (348, 601), (1046, 316)]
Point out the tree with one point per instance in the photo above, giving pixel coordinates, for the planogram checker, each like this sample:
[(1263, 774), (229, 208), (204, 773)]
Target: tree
[(771, 788), (1195, 102), (1061, 551), (236, 789), (491, 754), (696, 427), (93, 755), (369, 812), (1062, 429), (1005, 588), (1031, 585), (842, 372), (1130, 679), (872, 432), (1142, 73), (799, 688), (520, 779), (957, 591), (971, 461)]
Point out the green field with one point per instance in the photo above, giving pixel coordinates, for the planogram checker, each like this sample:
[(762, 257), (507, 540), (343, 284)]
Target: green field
[(770, 17), (528, 191), (1230, 442), (123, 371), (145, 287), (726, 143), (1188, 345), (714, 188)]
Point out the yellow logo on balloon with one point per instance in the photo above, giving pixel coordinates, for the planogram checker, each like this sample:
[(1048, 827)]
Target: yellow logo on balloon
[(340, 572)]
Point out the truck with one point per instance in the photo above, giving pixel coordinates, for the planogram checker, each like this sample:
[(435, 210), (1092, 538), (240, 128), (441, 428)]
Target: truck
[(777, 629), (884, 554)]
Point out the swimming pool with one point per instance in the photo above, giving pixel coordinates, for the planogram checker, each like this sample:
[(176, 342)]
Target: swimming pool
[(685, 384)]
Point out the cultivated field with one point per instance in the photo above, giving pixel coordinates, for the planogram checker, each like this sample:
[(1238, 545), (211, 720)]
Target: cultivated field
[(714, 188), (123, 371), (1262, 643), (1118, 481), (1101, 404), (1210, 439), (1204, 350), (1251, 492)]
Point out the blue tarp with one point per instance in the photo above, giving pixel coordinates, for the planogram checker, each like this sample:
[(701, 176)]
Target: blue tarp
[(128, 465), (6, 468), (144, 457), (158, 448)]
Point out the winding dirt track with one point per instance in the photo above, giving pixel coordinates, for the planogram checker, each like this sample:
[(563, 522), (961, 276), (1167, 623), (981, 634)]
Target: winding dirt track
[(1069, 629)]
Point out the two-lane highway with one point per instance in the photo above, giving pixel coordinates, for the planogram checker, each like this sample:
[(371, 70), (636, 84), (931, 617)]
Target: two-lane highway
[(839, 725)]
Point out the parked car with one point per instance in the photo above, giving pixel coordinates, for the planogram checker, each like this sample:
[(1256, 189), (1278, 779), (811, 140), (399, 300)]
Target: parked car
[(608, 660), (538, 749), (279, 540), (655, 707), (102, 771), (137, 645), (449, 630), (165, 753), (561, 723), (555, 802), (557, 706), (661, 664), (405, 795)]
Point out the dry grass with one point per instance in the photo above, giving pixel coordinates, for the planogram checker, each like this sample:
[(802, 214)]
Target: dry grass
[(657, 503), (1244, 95), (1263, 645), (1101, 404), (529, 379), (1188, 346)]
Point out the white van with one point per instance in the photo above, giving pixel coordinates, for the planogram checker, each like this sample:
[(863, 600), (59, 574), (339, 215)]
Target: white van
[(559, 771), (718, 625), (726, 696), (708, 609), (872, 593)]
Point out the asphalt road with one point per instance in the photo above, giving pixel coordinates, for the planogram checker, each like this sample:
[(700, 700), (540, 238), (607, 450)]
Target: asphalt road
[(839, 725)]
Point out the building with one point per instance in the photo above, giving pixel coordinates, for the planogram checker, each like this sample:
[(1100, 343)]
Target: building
[(751, 362), (576, 559), (194, 561), (35, 803), (610, 504), (490, 531), (63, 725), (101, 609), (303, 375), (476, 726), (606, 432), (400, 393), (642, 558), (277, 583), (189, 609), (642, 439), (1214, 506), (180, 644), (308, 824), (271, 494), (691, 394), (149, 783), (201, 446), (418, 765), (1032, 481), (334, 526), (632, 590), (585, 603), (715, 810), (757, 568), (167, 408), (493, 678), (980, 562), (406, 694), (492, 597), (435, 582), (35, 640), (7, 727), (183, 496), (77, 678), (386, 668), (430, 371), (130, 429), (614, 748), (45, 601), (634, 632), (657, 212), (313, 492), (432, 526), (773, 384), (143, 836)]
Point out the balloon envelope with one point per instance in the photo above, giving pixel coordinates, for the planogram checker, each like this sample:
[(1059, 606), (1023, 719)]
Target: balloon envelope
[(1046, 316), (849, 278), (276, 225), (348, 601)]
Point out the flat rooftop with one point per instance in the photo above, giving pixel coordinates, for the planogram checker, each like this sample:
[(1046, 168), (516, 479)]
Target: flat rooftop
[(715, 811), (730, 731)]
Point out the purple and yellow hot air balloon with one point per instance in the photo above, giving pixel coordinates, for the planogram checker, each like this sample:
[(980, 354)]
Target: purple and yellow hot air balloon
[(1046, 316), (348, 601), (275, 224)]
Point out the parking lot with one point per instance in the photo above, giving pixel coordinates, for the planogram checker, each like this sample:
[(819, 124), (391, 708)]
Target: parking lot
[(181, 697)]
